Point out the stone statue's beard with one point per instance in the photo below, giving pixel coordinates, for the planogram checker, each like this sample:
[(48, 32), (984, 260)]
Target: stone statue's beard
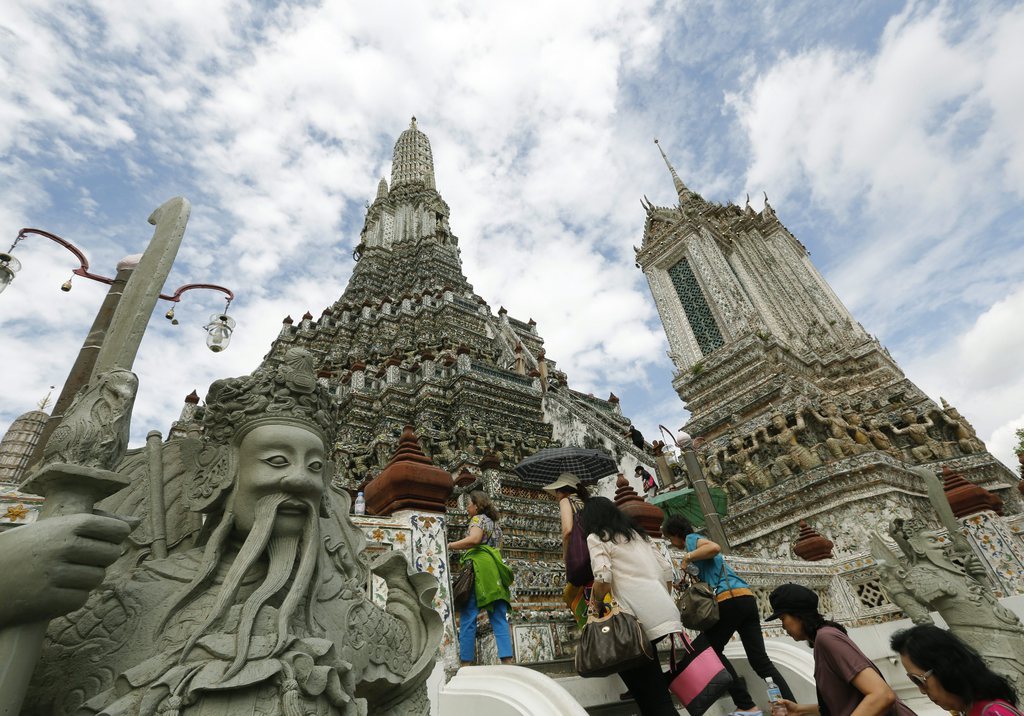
[(284, 552)]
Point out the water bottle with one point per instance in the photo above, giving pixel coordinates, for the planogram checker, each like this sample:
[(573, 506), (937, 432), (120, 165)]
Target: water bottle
[(774, 697), (360, 506)]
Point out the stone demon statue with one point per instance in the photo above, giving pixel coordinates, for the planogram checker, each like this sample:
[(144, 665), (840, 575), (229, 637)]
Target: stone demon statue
[(259, 608)]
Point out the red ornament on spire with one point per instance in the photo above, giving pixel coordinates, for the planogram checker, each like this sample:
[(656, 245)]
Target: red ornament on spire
[(410, 481), (965, 497), (810, 545), (647, 515)]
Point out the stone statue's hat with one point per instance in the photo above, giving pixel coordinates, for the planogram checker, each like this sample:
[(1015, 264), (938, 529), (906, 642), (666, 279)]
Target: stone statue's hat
[(285, 392)]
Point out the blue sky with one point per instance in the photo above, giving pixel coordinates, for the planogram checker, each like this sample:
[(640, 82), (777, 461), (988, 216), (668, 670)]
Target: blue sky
[(886, 136)]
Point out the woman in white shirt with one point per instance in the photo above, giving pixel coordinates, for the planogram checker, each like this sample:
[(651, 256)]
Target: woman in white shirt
[(639, 577)]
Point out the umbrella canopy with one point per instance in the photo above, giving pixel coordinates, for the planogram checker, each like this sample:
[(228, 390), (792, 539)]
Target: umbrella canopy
[(684, 503), (544, 466)]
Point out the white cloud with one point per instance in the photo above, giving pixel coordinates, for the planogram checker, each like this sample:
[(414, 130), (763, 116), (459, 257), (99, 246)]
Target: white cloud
[(277, 125), (914, 149)]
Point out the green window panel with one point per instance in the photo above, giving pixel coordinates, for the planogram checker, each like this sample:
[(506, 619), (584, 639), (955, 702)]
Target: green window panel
[(698, 312)]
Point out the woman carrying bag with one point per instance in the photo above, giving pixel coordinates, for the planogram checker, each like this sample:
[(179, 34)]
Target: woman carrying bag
[(571, 496), (737, 612), (492, 579), (638, 577)]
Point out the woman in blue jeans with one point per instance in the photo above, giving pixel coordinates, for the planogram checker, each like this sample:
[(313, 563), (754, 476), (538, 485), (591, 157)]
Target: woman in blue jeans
[(737, 612), (492, 579)]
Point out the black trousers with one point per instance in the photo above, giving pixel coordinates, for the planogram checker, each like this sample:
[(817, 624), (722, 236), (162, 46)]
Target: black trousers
[(739, 615), (650, 689)]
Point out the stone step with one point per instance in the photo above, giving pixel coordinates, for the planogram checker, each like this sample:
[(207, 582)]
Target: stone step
[(622, 708), (597, 696)]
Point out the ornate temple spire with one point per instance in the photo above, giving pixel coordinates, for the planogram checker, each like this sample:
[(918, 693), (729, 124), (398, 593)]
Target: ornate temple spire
[(681, 189), (412, 162), (382, 188)]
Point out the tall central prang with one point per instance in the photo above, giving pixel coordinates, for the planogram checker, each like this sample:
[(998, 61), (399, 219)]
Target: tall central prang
[(410, 343)]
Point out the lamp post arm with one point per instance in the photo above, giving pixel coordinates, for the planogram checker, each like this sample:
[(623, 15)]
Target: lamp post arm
[(176, 296), (82, 270)]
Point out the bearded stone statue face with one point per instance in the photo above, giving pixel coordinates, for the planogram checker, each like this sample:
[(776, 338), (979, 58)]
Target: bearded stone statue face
[(274, 461)]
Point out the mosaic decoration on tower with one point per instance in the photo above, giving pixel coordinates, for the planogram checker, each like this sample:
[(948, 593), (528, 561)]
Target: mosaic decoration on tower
[(698, 312)]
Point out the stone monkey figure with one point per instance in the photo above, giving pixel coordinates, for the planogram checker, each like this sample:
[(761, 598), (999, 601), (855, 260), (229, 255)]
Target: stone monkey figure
[(796, 455), (963, 432), (923, 448), (754, 477), (838, 442), (879, 439)]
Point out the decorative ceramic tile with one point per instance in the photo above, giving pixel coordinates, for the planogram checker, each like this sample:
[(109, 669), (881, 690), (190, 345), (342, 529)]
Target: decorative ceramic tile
[(421, 538), (430, 554), (380, 539), (566, 637), (998, 547), (17, 508), (533, 643), (486, 648)]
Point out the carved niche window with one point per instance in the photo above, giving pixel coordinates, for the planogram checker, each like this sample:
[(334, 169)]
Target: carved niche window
[(695, 305)]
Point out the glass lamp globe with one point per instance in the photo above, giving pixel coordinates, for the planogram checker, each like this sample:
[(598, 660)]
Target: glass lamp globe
[(218, 331), (8, 267)]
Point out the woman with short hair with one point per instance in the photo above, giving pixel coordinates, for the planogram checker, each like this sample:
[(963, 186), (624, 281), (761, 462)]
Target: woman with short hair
[(737, 610), (491, 579), (952, 674), (638, 576), (848, 681)]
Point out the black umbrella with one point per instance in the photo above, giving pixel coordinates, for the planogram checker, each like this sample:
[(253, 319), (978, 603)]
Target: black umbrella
[(544, 466)]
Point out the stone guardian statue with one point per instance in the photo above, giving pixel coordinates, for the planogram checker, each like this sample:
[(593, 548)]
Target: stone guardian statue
[(927, 579), (265, 609)]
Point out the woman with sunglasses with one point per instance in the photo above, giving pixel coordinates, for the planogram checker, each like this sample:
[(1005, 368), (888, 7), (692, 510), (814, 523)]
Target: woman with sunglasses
[(952, 674), (848, 682)]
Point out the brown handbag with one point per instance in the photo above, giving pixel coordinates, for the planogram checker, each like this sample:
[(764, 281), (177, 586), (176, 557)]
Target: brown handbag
[(464, 584), (698, 608), (612, 643)]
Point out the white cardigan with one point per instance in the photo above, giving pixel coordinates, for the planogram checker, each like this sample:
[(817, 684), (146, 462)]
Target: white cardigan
[(638, 574)]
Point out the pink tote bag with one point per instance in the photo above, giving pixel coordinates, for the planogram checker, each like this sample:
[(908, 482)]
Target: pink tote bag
[(699, 678)]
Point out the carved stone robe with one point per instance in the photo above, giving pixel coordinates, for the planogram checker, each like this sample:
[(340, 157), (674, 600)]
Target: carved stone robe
[(111, 658)]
